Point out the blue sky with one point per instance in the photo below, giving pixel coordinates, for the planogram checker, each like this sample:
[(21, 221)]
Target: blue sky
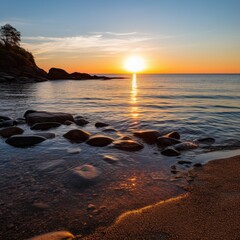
[(102, 27)]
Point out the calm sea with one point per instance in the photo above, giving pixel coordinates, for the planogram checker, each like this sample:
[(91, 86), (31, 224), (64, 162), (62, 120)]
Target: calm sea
[(194, 105)]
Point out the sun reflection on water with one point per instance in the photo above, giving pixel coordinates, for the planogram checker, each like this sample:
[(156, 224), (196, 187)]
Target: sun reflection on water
[(134, 102)]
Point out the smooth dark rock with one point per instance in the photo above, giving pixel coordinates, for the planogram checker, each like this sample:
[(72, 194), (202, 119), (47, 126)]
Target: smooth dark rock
[(184, 162), (5, 118), (99, 141), (46, 135), (197, 165), (68, 123), (128, 145), (174, 135), (78, 117), (28, 112), (8, 123), (24, 140), (81, 122), (170, 152), (101, 124), (110, 130), (10, 131), (77, 135), (149, 136), (45, 125), (185, 146), (166, 141), (207, 140), (39, 117)]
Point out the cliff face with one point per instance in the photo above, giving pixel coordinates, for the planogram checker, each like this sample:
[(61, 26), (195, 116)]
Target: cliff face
[(17, 62)]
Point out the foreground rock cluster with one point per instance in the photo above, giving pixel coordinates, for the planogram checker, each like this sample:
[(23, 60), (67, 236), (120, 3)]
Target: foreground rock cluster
[(169, 144)]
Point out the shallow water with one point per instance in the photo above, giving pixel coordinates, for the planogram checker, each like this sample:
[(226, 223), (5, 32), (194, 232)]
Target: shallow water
[(194, 105)]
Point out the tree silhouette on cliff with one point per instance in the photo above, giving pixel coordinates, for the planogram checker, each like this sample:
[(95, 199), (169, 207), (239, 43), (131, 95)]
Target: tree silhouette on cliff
[(9, 36)]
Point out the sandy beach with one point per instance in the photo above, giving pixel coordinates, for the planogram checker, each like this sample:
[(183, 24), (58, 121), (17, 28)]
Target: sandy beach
[(210, 210)]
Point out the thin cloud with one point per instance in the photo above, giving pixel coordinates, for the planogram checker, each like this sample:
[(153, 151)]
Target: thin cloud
[(96, 43)]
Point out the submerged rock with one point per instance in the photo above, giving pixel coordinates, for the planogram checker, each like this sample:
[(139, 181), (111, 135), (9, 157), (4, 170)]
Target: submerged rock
[(184, 162), (46, 135), (33, 117), (24, 140), (206, 140), (101, 124), (81, 122), (110, 130), (110, 158), (4, 118), (86, 172), (166, 141), (185, 146), (170, 152), (74, 150), (45, 125), (77, 135), (10, 131), (174, 135), (149, 136), (99, 141), (59, 235), (128, 145)]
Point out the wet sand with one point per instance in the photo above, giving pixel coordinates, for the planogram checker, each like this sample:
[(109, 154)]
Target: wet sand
[(210, 210)]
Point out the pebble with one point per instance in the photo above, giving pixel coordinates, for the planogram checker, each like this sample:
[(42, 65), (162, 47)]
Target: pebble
[(101, 124)]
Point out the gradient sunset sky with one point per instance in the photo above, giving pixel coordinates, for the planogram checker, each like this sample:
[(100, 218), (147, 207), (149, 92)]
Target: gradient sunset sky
[(95, 36)]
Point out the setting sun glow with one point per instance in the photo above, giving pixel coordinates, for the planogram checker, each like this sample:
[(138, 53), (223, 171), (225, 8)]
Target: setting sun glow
[(134, 64)]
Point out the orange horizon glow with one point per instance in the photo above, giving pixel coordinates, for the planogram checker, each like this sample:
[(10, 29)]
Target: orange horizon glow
[(165, 64)]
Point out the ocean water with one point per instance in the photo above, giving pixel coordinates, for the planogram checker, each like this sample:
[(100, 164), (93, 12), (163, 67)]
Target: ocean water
[(194, 105)]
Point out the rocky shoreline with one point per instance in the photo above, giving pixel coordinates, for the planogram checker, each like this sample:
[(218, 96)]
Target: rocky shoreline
[(39, 195)]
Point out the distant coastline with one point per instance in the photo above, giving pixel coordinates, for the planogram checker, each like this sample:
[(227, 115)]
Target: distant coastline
[(17, 64)]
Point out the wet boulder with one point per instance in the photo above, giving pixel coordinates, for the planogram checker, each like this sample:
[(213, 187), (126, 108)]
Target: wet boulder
[(24, 140), (28, 112), (170, 152), (10, 131), (128, 145), (68, 123), (8, 123), (185, 146), (81, 122), (45, 125), (174, 135), (101, 124), (42, 116), (149, 136), (110, 130), (4, 118), (77, 135), (166, 141), (99, 141), (206, 140), (47, 135)]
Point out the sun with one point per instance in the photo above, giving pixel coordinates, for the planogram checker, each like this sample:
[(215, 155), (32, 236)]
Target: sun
[(134, 64)]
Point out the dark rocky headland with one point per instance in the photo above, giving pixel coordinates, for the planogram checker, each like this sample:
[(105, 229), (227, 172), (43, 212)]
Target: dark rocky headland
[(17, 64)]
